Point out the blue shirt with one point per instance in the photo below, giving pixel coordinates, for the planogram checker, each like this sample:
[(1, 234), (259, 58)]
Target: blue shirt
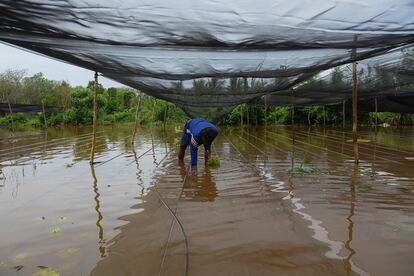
[(194, 128)]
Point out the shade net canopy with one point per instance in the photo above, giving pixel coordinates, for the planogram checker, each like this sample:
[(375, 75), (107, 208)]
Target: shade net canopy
[(208, 56), (389, 78)]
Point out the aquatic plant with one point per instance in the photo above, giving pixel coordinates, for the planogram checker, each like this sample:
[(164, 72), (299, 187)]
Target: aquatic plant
[(67, 251), (43, 271), (364, 187), (214, 161), (303, 169)]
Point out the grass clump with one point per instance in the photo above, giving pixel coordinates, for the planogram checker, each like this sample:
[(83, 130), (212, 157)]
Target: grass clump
[(214, 161)]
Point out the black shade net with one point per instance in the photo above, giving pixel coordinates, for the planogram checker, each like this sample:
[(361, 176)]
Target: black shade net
[(208, 56)]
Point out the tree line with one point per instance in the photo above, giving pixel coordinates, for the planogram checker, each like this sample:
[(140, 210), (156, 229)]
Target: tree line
[(73, 106)]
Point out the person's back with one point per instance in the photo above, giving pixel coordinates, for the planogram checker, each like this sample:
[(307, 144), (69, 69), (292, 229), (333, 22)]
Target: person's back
[(197, 132)]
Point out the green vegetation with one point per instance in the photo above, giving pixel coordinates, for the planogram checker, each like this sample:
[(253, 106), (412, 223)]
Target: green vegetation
[(66, 105), (73, 105), (214, 161), (310, 115)]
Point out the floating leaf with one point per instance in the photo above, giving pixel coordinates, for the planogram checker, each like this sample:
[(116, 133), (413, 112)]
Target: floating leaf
[(67, 251), (2, 264), (42, 218), (42, 267), (56, 230), (20, 257), (18, 267), (46, 272), (398, 226)]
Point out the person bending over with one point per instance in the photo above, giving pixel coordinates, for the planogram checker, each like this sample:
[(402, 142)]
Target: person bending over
[(197, 132)]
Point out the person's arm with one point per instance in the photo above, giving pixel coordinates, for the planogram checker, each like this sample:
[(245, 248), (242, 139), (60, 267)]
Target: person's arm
[(194, 153)]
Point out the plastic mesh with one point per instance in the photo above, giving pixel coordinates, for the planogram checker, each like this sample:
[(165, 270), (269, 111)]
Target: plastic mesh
[(208, 56)]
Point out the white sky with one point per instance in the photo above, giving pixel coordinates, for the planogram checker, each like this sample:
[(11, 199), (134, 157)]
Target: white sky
[(14, 58)]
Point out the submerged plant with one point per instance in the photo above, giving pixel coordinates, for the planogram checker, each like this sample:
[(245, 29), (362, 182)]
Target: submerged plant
[(302, 169), (214, 161), (46, 272), (67, 252)]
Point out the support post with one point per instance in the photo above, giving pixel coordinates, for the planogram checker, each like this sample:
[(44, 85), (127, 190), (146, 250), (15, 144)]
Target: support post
[(44, 113), (257, 114), (265, 110), (376, 111), (165, 115), (153, 111), (241, 115), (136, 119), (309, 122), (293, 114), (324, 117), (355, 108), (343, 113), (11, 116), (248, 114), (95, 105)]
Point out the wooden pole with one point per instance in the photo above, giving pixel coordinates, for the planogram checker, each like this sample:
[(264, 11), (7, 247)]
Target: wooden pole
[(324, 117), (44, 113), (309, 122), (11, 116), (355, 108), (265, 109), (343, 114), (257, 114), (95, 105), (241, 115), (248, 115), (376, 111), (153, 111), (293, 107), (136, 119), (165, 115)]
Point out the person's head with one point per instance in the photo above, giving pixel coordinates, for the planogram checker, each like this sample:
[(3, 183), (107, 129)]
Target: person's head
[(207, 136)]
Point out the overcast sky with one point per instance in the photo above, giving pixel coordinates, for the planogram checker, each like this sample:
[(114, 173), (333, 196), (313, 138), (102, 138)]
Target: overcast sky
[(13, 58)]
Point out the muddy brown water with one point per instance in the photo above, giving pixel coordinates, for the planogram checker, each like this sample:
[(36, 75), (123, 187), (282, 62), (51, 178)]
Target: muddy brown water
[(285, 201)]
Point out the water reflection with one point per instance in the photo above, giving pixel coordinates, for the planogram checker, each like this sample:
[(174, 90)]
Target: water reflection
[(200, 188), (138, 172), (352, 201), (101, 241)]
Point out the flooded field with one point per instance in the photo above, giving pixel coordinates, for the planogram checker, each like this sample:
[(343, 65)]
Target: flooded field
[(285, 201)]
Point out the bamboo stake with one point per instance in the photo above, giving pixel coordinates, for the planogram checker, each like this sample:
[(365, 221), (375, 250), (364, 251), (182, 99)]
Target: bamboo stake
[(343, 114), (293, 114), (376, 111), (309, 122), (257, 114), (324, 117), (11, 116), (136, 119), (241, 115), (248, 115), (95, 105), (355, 108), (265, 115), (44, 114), (153, 111), (165, 115)]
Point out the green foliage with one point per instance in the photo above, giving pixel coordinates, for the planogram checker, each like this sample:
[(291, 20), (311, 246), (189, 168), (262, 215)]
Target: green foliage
[(74, 105), (214, 161)]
